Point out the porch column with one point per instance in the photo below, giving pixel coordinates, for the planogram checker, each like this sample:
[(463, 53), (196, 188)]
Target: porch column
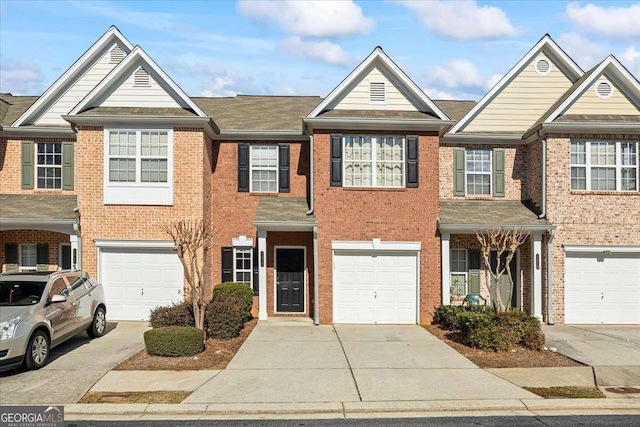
[(262, 274), (446, 273), (536, 275)]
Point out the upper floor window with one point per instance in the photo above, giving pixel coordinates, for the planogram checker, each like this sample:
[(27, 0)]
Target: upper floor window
[(264, 168), (374, 161), (135, 162), (604, 165), (49, 165), (478, 172)]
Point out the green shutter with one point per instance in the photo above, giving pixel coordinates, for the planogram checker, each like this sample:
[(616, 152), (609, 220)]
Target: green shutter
[(67, 165), (474, 282), (498, 172), (458, 171), (27, 165)]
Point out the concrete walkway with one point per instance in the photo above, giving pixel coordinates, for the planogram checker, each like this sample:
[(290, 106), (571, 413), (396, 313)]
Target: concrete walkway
[(73, 368), (293, 362)]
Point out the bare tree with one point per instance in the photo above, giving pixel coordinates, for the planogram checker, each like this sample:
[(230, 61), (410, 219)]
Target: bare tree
[(504, 242), (192, 241)]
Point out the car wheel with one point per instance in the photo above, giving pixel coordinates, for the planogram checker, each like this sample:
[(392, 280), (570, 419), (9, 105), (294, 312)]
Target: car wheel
[(37, 351), (99, 324)]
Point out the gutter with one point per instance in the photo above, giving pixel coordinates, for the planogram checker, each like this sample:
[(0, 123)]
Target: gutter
[(477, 138), (206, 122), (550, 278), (271, 135), (36, 131), (543, 201), (583, 127), (285, 225), (469, 228), (376, 123)]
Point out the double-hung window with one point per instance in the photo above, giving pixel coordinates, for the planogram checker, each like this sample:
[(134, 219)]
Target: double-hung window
[(49, 165), (138, 166), (478, 172), (458, 272), (374, 161), (28, 256), (242, 270), (604, 165), (264, 168)]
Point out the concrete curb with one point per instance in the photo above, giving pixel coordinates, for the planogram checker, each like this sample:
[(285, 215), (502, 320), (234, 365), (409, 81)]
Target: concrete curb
[(352, 409)]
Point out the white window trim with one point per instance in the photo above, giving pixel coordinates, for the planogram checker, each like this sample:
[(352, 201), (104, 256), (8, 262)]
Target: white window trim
[(138, 193), (277, 168), (618, 166), (490, 173), (21, 266), (250, 270), (38, 166), (464, 272), (275, 280), (374, 169)]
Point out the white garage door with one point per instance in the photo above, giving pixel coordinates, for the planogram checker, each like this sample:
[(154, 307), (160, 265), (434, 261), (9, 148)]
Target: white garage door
[(137, 280), (602, 289), (373, 287)]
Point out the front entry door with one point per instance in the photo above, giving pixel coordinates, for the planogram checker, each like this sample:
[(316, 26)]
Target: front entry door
[(290, 280), (505, 285)]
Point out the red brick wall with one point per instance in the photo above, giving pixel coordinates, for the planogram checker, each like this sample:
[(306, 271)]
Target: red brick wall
[(407, 214), (33, 237)]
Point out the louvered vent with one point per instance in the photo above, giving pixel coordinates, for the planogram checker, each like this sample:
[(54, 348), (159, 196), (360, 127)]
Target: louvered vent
[(117, 55), (141, 78), (604, 89), (377, 92), (543, 66)]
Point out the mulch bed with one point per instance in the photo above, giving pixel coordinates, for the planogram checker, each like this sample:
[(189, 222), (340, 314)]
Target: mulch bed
[(135, 397), (519, 357), (217, 355)]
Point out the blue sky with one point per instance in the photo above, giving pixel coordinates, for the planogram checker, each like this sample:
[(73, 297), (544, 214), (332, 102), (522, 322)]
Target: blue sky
[(452, 50)]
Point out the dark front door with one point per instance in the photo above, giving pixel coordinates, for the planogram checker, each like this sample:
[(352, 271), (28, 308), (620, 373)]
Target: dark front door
[(65, 257), (290, 280), (505, 286)]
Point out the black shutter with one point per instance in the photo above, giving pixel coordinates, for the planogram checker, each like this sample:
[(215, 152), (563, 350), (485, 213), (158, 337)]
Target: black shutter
[(11, 253), (256, 271), (243, 168), (412, 161), (283, 168), (42, 253), (227, 265), (336, 160)]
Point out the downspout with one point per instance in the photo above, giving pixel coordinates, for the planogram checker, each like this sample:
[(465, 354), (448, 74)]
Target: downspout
[(316, 284), (543, 202), (549, 278), (310, 211)]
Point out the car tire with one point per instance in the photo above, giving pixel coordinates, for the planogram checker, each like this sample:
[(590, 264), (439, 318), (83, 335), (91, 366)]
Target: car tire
[(99, 324), (37, 350)]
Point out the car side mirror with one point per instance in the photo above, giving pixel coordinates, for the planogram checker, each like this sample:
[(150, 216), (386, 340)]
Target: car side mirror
[(57, 298)]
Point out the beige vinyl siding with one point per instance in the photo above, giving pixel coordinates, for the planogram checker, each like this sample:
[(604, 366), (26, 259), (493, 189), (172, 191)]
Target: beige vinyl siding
[(590, 103), (128, 95), (79, 89), (527, 97), (358, 98)]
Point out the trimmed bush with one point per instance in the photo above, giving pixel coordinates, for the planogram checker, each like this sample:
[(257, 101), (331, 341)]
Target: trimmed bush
[(225, 316), (177, 314), (447, 315), (174, 341), (240, 290)]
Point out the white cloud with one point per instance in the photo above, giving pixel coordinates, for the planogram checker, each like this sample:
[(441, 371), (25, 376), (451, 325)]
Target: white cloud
[(585, 52), (607, 21), (21, 77), (309, 18), (493, 80), (461, 20), (229, 83), (324, 51), (630, 58), (454, 74)]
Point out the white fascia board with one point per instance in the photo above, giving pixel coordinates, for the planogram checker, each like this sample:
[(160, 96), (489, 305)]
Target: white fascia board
[(379, 55), (112, 34), (374, 124), (284, 226), (64, 226), (482, 138), (277, 135), (472, 228), (142, 244), (129, 62), (375, 245), (547, 42), (37, 131), (618, 249), (616, 67)]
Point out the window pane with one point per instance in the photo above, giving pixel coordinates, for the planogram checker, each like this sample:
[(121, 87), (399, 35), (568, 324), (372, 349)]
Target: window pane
[(458, 285), (478, 184), (122, 170), (629, 179), (243, 265), (263, 181), (153, 170), (28, 255), (578, 178), (264, 156), (603, 179), (603, 153), (578, 153), (629, 154), (458, 260)]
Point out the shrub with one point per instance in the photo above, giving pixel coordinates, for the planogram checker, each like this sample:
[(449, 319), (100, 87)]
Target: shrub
[(518, 324), (225, 316), (448, 315), (174, 341), (240, 290), (177, 314)]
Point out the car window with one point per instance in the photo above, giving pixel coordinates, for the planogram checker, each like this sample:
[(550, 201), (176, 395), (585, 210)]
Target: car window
[(58, 287), (20, 292), (77, 284)]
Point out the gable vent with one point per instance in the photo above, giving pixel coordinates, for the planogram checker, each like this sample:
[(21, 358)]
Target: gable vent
[(604, 89), (377, 92), (542, 66), (117, 55), (141, 78)]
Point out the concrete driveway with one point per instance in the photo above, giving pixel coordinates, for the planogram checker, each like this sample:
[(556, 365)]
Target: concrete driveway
[(73, 367), (297, 362), (612, 350)]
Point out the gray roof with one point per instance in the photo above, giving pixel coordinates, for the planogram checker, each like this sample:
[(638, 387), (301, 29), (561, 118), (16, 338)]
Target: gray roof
[(455, 110), (488, 213), (379, 114), (16, 106), (138, 111), (589, 118), (37, 206), (283, 209)]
